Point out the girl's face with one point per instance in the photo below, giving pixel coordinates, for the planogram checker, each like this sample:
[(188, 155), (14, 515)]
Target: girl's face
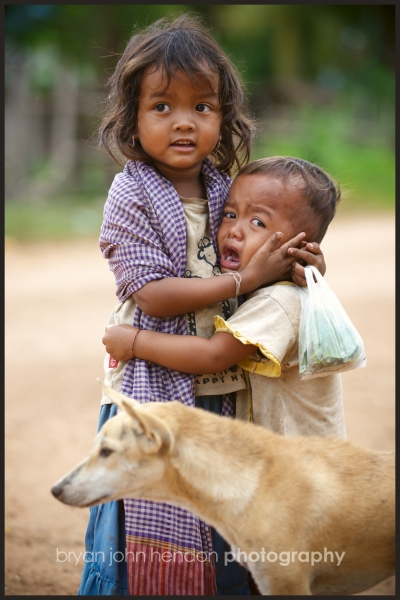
[(257, 207), (178, 124)]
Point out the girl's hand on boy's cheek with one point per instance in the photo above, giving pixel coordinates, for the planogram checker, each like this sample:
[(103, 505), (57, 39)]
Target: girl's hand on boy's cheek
[(310, 254), (270, 263), (118, 340)]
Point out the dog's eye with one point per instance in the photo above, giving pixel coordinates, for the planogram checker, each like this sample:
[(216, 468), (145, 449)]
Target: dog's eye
[(104, 452)]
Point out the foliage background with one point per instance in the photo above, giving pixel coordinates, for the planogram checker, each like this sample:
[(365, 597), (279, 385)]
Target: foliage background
[(320, 82)]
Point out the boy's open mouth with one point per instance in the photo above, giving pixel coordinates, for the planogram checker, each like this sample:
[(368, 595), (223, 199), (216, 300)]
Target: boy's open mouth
[(230, 259)]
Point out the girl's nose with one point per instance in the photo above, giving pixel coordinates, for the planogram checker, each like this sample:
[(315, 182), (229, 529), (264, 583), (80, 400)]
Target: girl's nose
[(184, 122)]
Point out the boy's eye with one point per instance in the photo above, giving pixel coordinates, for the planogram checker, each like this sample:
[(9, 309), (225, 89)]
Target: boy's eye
[(203, 108), (229, 215), (257, 222), (162, 108)]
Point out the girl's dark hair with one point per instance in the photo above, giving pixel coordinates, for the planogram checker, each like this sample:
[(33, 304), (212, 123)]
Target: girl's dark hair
[(181, 44), (322, 193)]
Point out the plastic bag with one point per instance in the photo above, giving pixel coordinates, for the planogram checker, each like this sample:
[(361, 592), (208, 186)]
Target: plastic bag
[(328, 341)]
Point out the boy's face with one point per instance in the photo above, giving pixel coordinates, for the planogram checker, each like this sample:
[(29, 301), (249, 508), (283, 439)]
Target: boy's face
[(178, 125), (257, 207)]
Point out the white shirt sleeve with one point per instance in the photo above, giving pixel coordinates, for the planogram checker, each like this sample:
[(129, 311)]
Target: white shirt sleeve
[(268, 319)]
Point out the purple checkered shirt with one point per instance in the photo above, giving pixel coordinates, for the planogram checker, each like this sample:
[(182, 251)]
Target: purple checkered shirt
[(143, 236)]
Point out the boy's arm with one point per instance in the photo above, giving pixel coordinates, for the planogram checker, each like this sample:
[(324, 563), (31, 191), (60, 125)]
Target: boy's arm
[(186, 353), (174, 295)]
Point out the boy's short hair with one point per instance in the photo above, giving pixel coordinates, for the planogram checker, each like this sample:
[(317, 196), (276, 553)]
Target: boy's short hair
[(182, 44), (318, 188)]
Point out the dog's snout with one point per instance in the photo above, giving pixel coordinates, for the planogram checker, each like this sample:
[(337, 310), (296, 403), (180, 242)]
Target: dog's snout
[(56, 490)]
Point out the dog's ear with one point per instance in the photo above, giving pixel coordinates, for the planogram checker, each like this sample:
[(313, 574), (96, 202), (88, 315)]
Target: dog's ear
[(152, 434), (122, 401)]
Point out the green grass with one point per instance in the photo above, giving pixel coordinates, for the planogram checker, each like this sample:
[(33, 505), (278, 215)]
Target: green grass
[(54, 219), (358, 154)]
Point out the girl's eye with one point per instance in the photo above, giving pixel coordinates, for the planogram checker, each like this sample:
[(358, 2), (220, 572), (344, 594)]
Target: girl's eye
[(203, 108), (257, 222), (162, 108), (229, 215)]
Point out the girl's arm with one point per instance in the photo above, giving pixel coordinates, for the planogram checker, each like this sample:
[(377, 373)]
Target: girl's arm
[(186, 353), (175, 295)]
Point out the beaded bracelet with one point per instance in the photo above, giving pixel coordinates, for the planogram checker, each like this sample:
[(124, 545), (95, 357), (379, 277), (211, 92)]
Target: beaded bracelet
[(238, 280), (133, 343)]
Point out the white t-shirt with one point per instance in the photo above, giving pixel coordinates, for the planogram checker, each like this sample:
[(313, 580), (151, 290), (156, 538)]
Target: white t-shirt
[(201, 261), (281, 401)]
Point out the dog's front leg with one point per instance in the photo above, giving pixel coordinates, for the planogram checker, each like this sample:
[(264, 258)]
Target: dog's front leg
[(280, 581), (260, 574), (289, 588)]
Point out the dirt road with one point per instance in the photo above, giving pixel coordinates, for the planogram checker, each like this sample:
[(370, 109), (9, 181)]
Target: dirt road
[(58, 300)]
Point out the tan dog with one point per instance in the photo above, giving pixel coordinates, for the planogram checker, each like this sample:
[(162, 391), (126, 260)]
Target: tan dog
[(308, 515)]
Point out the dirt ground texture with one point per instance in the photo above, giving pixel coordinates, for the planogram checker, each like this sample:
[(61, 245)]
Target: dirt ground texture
[(58, 300)]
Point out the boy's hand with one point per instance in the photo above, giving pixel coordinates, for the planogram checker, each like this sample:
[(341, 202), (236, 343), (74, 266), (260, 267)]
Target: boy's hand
[(310, 254), (270, 263), (118, 340)]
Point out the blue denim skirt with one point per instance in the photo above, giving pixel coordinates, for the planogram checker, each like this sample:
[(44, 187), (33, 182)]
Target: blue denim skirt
[(105, 572)]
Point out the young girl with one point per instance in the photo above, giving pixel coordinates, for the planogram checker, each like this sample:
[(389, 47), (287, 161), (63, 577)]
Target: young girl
[(176, 113), (262, 336)]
